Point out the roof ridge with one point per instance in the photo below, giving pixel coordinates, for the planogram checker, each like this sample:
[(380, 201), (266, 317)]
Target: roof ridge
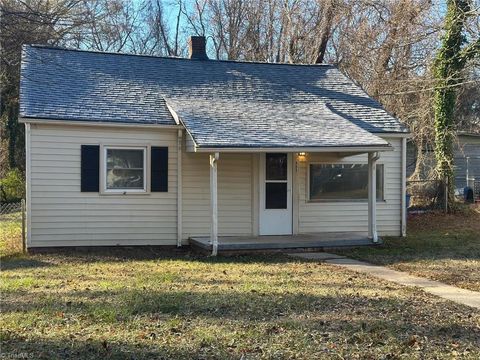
[(100, 52)]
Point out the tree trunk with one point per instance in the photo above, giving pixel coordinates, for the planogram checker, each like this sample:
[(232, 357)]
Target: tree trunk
[(448, 65), (326, 31)]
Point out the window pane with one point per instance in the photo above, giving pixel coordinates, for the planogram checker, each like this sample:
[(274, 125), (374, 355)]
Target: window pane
[(276, 166), (125, 169), (342, 181), (275, 195), (124, 158)]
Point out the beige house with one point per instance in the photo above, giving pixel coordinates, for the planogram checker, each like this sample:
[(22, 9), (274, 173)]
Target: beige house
[(138, 150)]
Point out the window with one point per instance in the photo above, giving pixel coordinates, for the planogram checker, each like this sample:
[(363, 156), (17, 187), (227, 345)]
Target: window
[(125, 169), (276, 181), (342, 182)]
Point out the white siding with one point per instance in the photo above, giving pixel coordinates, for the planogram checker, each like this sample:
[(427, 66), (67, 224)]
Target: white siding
[(352, 216), (234, 194), (61, 215)]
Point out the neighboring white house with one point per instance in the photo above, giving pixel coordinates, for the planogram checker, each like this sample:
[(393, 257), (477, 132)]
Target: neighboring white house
[(140, 150), (466, 159)]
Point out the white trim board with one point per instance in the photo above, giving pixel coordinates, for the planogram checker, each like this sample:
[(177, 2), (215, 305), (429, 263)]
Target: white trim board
[(97, 123), (393, 135), (348, 149), (146, 149), (28, 182), (179, 188)]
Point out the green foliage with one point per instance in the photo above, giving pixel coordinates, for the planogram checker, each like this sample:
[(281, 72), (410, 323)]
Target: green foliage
[(448, 66), (12, 186)]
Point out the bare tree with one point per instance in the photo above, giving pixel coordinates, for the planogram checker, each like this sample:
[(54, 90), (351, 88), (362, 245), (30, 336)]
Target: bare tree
[(27, 22), (386, 46)]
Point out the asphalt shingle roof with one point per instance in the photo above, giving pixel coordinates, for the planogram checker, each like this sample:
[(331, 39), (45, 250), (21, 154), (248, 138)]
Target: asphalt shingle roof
[(221, 103)]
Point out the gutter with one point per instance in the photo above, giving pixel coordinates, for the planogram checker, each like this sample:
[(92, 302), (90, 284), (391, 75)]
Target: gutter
[(96, 123), (348, 149), (394, 135)]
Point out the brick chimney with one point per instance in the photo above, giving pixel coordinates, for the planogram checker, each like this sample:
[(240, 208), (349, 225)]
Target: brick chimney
[(196, 48)]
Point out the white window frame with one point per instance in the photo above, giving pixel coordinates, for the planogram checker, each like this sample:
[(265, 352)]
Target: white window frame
[(352, 162), (146, 170)]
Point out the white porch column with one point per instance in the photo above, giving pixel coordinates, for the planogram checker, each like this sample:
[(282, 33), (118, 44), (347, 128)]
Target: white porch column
[(214, 203), (372, 196)]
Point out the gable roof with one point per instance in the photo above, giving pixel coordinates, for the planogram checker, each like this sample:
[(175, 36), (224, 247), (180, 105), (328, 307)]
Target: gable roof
[(220, 103)]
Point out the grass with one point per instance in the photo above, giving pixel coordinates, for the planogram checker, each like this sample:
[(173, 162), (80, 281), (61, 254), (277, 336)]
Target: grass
[(10, 234), (141, 304), (438, 246)]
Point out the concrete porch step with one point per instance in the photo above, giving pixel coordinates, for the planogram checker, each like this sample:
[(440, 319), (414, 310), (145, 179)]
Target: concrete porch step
[(283, 242)]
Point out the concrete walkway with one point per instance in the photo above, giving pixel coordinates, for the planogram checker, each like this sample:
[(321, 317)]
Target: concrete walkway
[(453, 293)]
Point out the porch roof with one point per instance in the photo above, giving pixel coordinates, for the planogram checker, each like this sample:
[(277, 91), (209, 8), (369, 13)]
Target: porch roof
[(217, 125)]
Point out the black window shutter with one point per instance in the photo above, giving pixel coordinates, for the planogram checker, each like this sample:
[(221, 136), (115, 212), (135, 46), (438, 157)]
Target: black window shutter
[(159, 169), (90, 163)]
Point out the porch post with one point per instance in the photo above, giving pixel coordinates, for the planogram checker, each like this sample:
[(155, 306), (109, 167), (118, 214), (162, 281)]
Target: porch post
[(372, 196), (214, 203)]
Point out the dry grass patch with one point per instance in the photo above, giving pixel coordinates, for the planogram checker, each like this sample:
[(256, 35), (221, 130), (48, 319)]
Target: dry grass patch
[(438, 246), (10, 234), (143, 305)]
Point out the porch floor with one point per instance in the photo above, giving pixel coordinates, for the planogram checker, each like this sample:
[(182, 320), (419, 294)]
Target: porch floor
[(271, 242)]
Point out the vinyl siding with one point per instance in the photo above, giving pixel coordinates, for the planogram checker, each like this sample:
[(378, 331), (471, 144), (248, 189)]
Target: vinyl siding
[(234, 194), (61, 215), (352, 216), (464, 146), (467, 146)]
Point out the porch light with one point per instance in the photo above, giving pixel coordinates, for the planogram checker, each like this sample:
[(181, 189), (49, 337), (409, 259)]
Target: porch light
[(301, 156)]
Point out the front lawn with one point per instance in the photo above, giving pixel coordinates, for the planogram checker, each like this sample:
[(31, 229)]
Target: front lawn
[(438, 246), (144, 304)]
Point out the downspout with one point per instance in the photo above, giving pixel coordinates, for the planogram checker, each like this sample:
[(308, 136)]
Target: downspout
[(467, 173), (404, 188), (179, 188), (214, 202), (372, 201)]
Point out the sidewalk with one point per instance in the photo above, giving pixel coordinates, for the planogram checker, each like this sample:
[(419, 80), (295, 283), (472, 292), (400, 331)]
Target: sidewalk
[(448, 292)]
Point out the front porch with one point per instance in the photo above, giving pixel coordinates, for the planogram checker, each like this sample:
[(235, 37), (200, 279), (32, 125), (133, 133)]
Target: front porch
[(275, 242), (280, 202)]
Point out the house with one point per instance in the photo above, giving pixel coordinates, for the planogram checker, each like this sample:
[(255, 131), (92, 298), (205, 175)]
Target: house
[(142, 150), (466, 159)]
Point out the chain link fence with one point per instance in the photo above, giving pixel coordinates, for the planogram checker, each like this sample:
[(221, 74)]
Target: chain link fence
[(426, 195), (12, 227)]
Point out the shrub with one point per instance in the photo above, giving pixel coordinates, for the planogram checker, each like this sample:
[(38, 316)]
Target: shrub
[(12, 187)]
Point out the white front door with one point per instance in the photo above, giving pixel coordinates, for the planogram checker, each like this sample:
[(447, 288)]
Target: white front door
[(276, 194)]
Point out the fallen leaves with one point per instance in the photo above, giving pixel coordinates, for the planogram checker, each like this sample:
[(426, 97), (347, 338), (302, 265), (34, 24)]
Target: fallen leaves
[(267, 307)]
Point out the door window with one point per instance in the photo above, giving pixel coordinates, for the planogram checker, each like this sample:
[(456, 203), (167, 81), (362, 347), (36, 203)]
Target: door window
[(276, 181)]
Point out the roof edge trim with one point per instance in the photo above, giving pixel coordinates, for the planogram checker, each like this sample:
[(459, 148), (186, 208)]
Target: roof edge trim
[(319, 149), (34, 120), (179, 121), (393, 134)]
